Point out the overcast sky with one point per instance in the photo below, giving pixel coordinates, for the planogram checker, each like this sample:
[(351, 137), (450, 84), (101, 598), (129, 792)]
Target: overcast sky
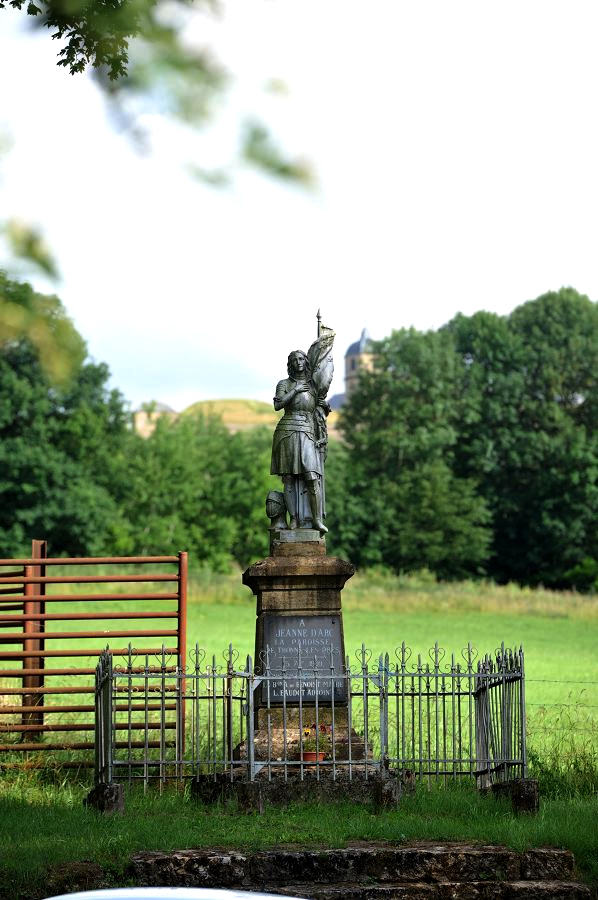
[(454, 146)]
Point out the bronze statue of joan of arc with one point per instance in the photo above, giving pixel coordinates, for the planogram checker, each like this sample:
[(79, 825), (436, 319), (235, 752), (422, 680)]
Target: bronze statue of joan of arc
[(300, 441)]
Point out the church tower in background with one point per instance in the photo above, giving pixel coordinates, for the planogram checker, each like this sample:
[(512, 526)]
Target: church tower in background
[(359, 357)]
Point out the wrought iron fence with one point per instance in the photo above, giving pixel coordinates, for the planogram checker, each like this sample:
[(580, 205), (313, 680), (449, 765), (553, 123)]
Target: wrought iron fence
[(434, 717)]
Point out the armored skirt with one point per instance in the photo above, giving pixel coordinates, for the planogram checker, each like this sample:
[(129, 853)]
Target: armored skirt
[(294, 449)]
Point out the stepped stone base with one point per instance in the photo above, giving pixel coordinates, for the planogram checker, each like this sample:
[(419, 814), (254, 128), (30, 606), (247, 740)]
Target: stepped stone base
[(484, 890), (313, 784), (426, 871), (364, 871)]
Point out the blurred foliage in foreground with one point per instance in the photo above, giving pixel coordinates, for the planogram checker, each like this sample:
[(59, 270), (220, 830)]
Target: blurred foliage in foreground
[(155, 56)]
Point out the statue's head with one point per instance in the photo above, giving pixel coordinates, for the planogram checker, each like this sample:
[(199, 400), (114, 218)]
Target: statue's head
[(298, 363)]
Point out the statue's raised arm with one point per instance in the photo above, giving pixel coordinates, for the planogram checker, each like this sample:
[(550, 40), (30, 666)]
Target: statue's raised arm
[(300, 441)]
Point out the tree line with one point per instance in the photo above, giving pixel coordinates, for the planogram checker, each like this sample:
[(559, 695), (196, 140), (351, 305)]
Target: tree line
[(474, 449), (471, 451), (73, 469)]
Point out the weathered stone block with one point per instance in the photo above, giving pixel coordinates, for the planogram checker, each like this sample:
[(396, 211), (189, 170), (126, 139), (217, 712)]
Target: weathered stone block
[(106, 798), (524, 794), (250, 796), (207, 789)]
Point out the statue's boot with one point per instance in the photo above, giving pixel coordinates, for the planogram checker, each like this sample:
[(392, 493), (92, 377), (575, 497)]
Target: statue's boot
[(290, 499), (315, 504)]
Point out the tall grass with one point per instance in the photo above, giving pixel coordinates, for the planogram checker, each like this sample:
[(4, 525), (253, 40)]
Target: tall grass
[(563, 751), (49, 826)]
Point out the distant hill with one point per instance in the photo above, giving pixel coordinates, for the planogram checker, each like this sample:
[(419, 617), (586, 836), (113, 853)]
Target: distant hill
[(239, 415)]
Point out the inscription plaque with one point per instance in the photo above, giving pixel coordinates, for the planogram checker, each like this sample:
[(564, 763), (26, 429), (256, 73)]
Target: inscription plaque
[(310, 643)]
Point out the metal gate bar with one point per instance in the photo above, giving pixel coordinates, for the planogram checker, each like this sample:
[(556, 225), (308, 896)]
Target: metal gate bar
[(28, 608)]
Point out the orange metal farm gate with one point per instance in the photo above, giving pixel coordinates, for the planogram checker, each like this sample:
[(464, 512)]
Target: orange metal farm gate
[(47, 669)]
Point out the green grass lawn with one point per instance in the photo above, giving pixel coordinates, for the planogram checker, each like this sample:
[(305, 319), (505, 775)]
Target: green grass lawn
[(559, 632), (49, 827)]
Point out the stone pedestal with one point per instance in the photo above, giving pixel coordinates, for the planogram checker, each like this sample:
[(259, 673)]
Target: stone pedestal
[(299, 616), (299, 632)]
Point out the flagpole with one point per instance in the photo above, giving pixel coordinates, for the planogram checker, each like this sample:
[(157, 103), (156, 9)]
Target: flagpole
[(319, 449)]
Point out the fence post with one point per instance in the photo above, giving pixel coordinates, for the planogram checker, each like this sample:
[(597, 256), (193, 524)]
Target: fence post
[(470, 695), (182, 637), (104, 739), (522, 714), (99, 737), (488, 750), (105, 796), (34, 680), (365, 697), (229, 737), (250, 720), (109, 731), (349, 695), (383, 693), (179, 693)]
